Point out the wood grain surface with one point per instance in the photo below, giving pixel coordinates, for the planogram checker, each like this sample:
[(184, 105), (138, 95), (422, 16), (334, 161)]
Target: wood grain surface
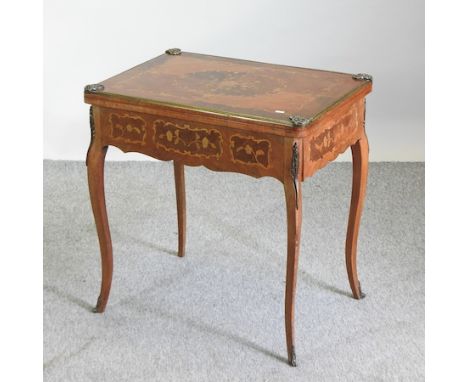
[(232, 87)]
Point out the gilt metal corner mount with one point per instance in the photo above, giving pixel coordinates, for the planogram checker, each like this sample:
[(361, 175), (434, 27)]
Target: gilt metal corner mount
[(299, 121), (174, 52), (93, 88), (363, 76)]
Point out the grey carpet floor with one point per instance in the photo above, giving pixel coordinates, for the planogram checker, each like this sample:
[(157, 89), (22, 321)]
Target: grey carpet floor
[(217, 314)]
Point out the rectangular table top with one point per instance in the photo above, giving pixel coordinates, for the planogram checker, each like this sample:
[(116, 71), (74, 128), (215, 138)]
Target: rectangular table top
[(232, 87)]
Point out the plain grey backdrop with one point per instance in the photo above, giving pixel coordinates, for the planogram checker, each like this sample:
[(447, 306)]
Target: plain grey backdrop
[(89, 41)]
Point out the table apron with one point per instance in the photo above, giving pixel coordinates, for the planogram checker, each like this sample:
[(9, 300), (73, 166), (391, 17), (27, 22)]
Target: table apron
[(192, 143), (333, 136)]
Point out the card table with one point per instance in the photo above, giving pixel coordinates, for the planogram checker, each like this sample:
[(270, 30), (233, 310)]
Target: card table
[(232, 115)]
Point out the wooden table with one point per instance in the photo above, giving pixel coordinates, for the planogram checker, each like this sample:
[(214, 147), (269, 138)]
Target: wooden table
[(232, 115)]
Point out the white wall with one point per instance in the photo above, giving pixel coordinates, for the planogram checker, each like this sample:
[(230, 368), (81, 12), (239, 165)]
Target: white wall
[(88, 41)]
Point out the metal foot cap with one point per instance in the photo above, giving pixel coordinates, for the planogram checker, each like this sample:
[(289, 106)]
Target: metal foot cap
[(361, 293), (292, 359)]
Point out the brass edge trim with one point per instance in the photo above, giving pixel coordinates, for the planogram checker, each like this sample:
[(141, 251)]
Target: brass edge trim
[(247, 117), (267, 63), (340, 100)]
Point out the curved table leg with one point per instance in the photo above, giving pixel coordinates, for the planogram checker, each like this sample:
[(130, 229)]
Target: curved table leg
[(181, 215), (294, 221), (95, 162), (360, 151)]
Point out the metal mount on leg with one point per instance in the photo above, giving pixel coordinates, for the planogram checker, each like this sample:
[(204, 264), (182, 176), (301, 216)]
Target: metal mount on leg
[(93, 130), (292, 361), (295, 168), (361, 294), (98, 304)]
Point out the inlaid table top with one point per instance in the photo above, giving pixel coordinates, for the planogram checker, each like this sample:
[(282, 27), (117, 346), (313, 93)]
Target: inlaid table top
[(232, 87), (232, 115)]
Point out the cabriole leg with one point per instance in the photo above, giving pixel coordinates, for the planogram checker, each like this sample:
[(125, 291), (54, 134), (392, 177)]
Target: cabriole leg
[(95, 163), (293, 195), (360, 151), (181, 215)]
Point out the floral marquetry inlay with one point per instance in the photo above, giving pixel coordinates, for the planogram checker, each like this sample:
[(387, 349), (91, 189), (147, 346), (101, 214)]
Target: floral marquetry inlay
[(187, 140), (334, 140), (128, 129), (249, 150)]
